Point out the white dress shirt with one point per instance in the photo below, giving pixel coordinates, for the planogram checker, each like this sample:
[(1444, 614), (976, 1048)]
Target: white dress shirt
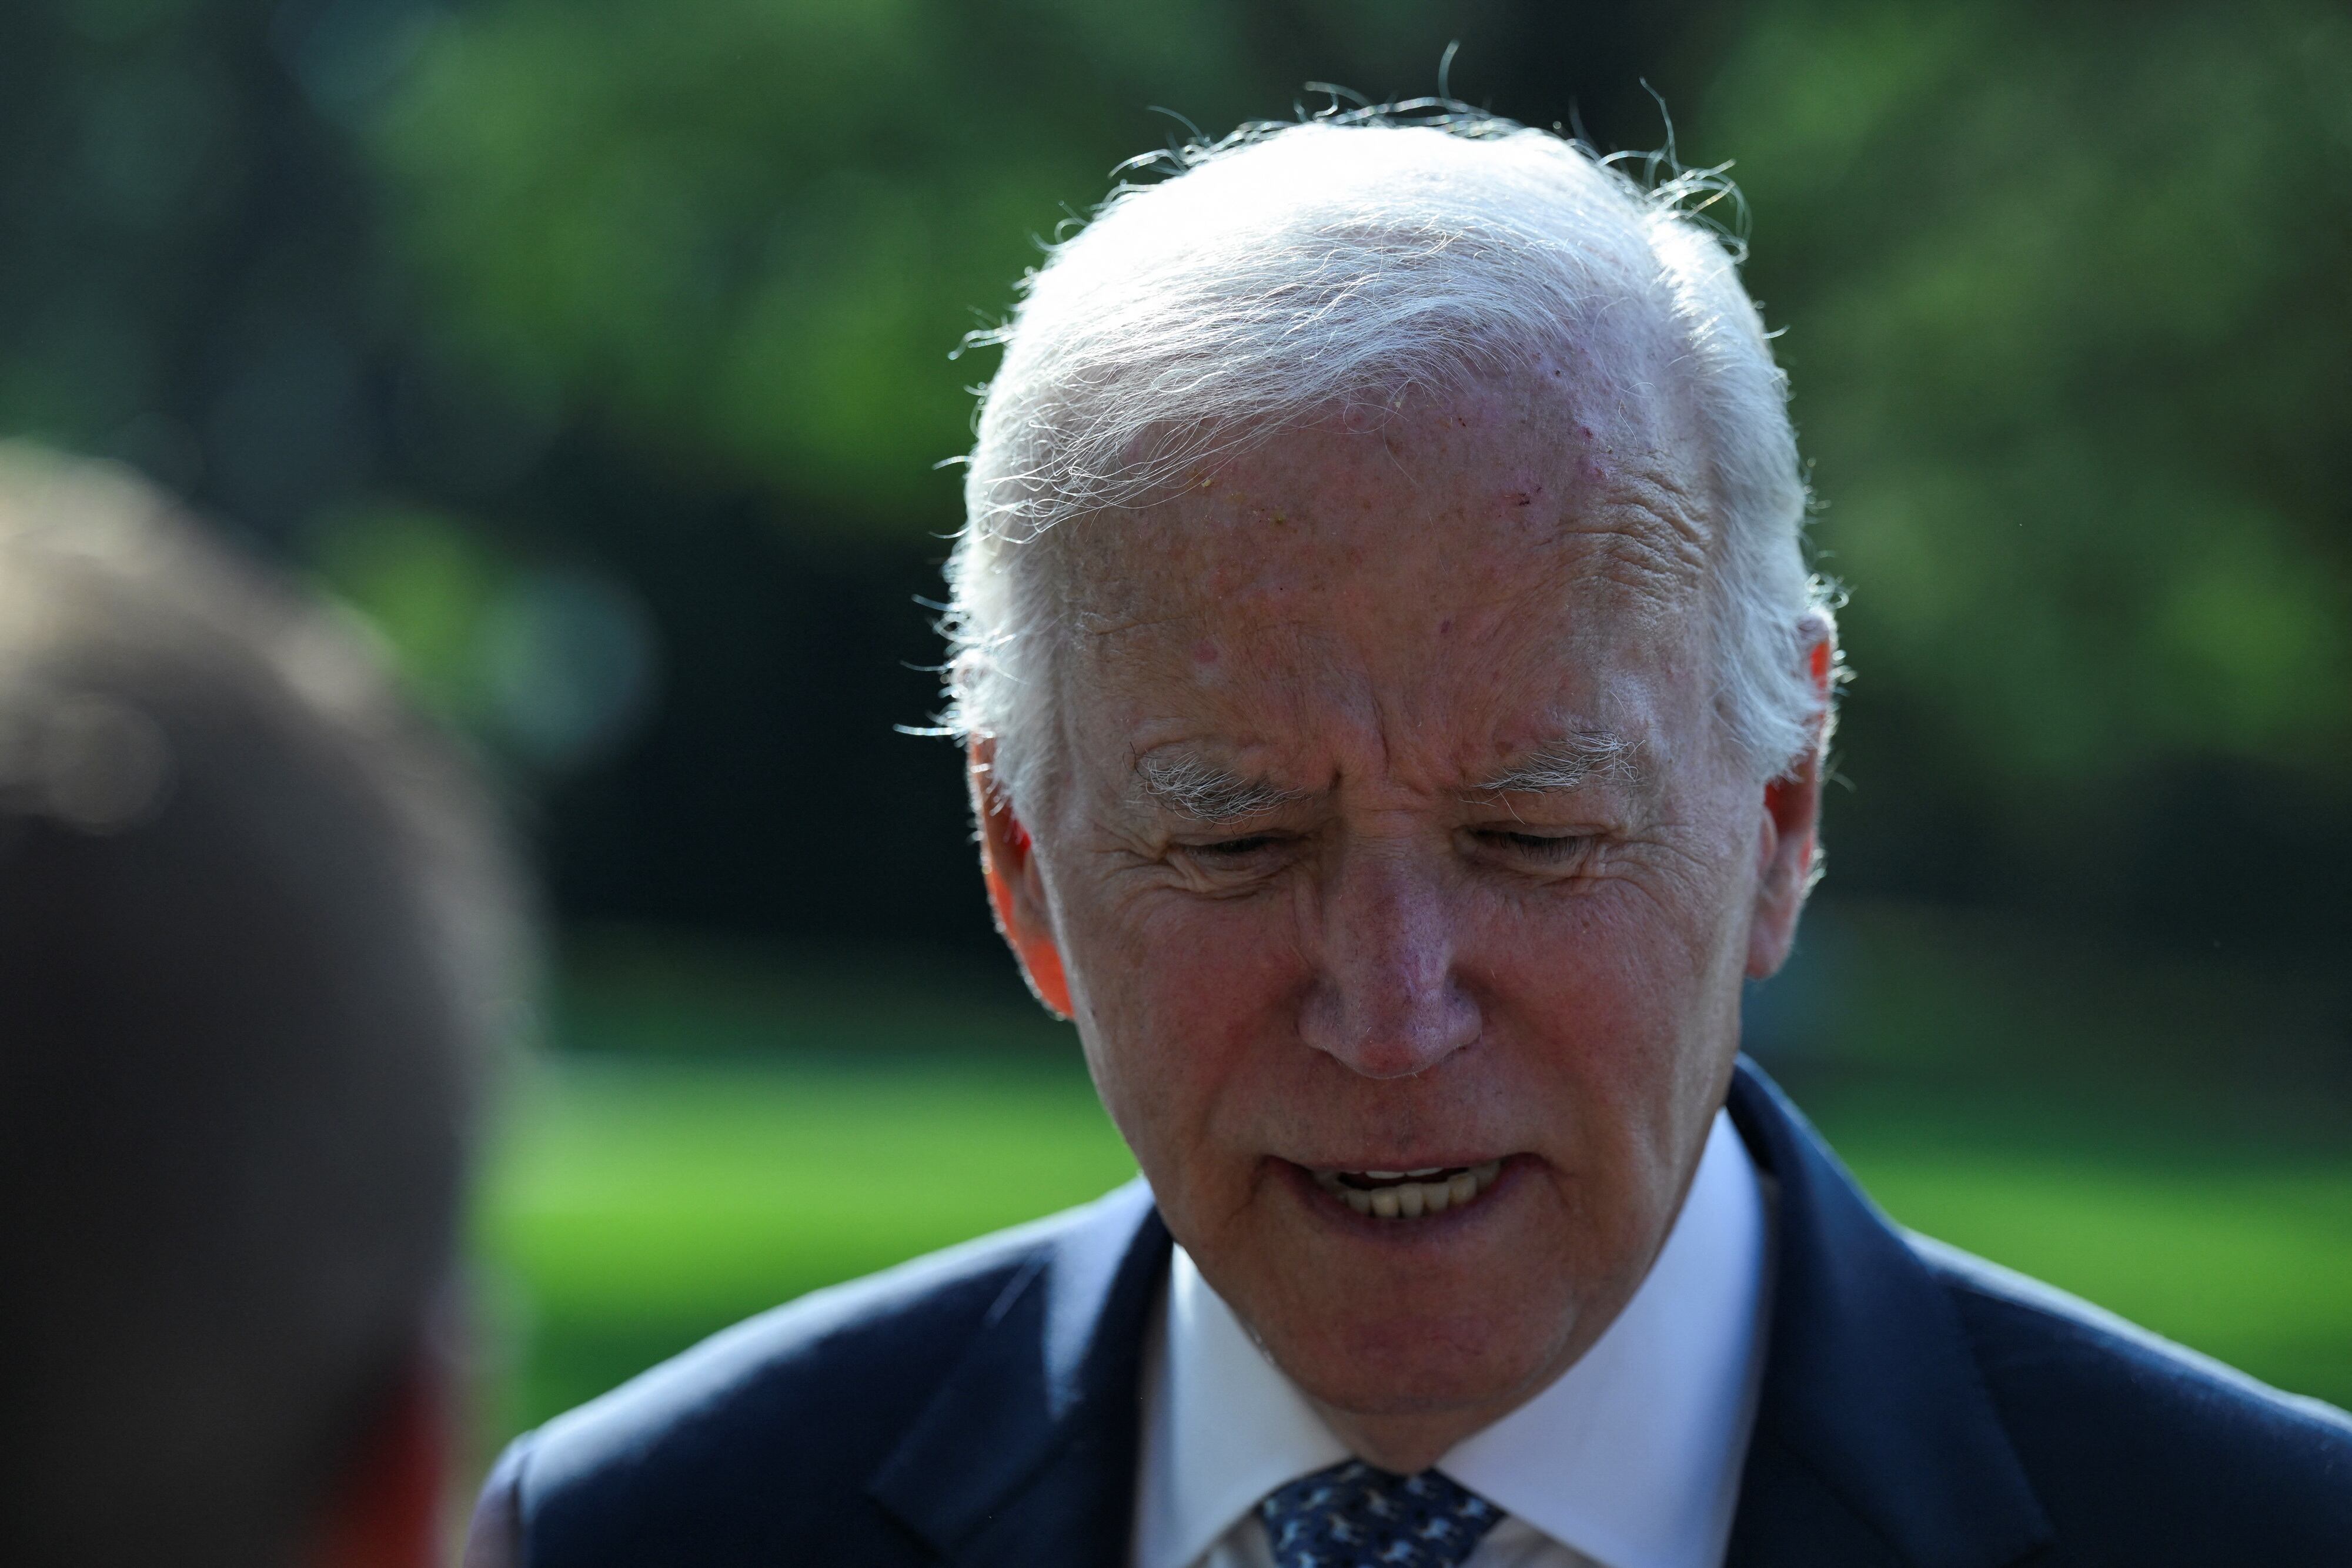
[(1630, 1459)]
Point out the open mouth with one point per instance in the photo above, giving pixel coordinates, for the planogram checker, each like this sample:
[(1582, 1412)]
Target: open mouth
[(1409, 1195)]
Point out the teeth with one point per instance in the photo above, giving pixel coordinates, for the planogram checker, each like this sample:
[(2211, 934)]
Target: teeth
[(1409, 1197)]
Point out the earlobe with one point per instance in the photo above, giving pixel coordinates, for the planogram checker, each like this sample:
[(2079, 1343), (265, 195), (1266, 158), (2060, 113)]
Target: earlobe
[(1788, 836), (1040, 958), (1790, 829), (1008, 864), (1784, 853)]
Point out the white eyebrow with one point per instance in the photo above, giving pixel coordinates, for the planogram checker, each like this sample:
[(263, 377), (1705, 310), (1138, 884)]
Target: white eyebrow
[(1569, 762), (1187, 786)]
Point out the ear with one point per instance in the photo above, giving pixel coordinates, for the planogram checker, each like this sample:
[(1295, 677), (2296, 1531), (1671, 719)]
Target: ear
[(386, 1510), (1787, 840), (1008, 860)]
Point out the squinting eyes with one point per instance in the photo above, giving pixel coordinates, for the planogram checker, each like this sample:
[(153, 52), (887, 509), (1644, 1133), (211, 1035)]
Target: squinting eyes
[(1540, 846), (1525, 848), (1234, 849)]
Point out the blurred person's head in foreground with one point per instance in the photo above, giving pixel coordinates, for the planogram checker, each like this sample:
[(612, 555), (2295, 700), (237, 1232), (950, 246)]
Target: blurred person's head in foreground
[(1396, 703), (258, 942)]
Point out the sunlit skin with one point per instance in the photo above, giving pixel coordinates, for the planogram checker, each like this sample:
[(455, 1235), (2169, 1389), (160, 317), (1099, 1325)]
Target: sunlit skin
[(1387, 963)]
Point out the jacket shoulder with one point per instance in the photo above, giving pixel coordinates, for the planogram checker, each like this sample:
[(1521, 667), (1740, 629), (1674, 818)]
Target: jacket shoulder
[(757, 1444), (2140, 1449)]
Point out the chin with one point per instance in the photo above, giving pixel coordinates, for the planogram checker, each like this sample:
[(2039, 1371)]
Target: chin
[(1409, 1318)]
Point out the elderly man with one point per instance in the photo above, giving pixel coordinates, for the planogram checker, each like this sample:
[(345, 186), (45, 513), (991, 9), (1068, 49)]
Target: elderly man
[(1396, 703), (255, 938)]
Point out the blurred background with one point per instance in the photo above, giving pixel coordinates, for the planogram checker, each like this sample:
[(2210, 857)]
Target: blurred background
[(595, 354)]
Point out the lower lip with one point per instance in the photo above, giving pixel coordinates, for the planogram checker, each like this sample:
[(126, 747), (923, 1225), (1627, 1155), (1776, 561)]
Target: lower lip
[(1401, 1231)]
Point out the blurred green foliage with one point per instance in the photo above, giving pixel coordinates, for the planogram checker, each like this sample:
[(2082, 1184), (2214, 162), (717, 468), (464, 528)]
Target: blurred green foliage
[(545, 663), (2068, 330), (754, 230), (426, 587)]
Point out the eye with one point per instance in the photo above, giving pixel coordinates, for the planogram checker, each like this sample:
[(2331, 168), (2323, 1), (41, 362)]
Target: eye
[(1233, 849), (1530, 848), (1236, 865)]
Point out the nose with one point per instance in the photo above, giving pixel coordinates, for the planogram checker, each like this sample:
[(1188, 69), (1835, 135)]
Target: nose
[(1387, 998)]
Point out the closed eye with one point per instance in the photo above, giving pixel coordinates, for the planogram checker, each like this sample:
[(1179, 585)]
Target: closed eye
[(1547, 848), (1233, 849), (1235, 866)]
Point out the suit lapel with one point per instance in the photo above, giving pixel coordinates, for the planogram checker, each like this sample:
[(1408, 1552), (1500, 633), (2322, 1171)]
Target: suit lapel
[(1028, 1454), (1875, 1439)]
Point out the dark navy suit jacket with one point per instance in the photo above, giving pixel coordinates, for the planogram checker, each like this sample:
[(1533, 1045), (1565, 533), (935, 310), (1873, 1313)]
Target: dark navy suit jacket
[(979, 1407)]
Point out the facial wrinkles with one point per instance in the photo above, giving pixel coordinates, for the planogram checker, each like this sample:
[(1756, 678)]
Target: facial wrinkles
[(1300, 649), (1271, 550), (1243, 615), (1350, 638), (1368, 759)]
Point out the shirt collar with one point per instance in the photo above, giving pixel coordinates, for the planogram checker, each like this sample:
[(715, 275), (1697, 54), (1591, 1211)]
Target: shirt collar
[(1632, 1457), (1221, 1426)]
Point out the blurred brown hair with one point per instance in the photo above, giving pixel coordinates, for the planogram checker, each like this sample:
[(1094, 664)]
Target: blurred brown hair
[(258, 940)]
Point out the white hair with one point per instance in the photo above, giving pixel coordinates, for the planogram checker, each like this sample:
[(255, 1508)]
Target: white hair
[(1291, 273)]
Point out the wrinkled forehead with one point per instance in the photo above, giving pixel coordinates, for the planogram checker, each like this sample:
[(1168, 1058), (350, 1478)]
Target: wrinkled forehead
[(1533, 543), (1578, 474)]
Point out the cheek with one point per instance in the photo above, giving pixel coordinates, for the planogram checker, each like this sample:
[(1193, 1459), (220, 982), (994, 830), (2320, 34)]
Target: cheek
[(1619, 991), (1582, 983), (1185, 1005)]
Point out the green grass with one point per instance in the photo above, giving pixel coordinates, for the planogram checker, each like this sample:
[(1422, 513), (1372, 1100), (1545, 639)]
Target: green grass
[(639, 1205), (711, 1144), (2252, 1265)]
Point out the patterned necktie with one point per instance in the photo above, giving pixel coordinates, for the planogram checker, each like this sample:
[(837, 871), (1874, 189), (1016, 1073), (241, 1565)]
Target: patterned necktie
[(1355, 1516)]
